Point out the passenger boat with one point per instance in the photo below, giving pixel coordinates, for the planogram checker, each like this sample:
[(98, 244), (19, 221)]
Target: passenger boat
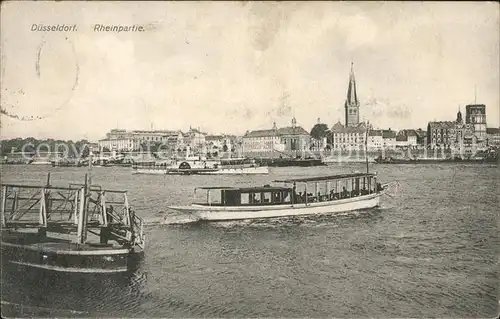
[(332, 194), (203, 166), (81, 228)]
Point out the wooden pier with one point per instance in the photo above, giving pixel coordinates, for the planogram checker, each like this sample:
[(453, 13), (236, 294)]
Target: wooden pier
[(79, 228)]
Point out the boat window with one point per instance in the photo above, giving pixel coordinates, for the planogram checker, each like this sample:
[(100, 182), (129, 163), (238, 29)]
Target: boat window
[(266, 197), (230, 197), (287, 197), (277, 197), (245, 198), (255, 198)]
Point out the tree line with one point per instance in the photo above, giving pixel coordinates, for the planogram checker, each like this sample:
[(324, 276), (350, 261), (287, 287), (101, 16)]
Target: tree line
[(32, 145)]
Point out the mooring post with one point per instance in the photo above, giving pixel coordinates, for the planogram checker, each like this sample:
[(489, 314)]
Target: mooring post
[(82, 222), (4, 201)]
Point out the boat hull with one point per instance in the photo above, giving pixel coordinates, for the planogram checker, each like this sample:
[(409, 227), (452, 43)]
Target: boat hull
[(150, 171), (70, 260), (262, 170), (295, 162), (239, 171), (219, 213)]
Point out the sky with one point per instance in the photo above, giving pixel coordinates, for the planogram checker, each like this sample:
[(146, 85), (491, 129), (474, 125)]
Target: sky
[(229, 67)]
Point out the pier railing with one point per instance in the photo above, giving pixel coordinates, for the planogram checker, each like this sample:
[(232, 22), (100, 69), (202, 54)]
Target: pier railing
[(74, 209)]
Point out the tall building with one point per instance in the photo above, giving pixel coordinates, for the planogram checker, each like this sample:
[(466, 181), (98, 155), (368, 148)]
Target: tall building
[(124, 140), (463, 133), (451, 134), (348, 137), (440, 134), (475, 114), (351, 103)]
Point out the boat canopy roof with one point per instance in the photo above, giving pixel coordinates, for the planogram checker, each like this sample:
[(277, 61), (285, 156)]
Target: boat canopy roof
[(248, 189), (325, 178)]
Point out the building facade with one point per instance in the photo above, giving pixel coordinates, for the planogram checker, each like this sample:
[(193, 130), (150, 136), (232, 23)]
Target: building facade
[(439, 134), (119, 144), (348, 137), (452, 134), (294, 138), (286, 139), (493, 136), (389, 139), (220, 143), (124, 140), (407, 138), (194, 138), (375, 140)]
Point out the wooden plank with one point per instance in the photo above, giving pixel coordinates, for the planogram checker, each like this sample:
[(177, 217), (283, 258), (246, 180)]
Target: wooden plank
[(38, 187)]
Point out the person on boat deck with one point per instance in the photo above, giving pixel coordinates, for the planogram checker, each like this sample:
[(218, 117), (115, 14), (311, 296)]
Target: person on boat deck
[(254, 198), (276, 197), (379, 187), (364, 191), (344, 192), (298, 197)]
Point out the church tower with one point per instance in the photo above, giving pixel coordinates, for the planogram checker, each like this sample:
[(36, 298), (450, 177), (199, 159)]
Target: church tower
[(459, 116), (352, 103)]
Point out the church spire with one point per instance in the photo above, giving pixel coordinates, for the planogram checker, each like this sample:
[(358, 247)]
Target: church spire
[(352, 96), (459, 116), (352, 103)]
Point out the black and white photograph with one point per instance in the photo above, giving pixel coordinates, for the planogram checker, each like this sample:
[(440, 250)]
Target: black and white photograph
[(250, 159)]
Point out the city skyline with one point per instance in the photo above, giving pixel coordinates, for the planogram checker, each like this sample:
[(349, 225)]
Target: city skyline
[(233, 67)]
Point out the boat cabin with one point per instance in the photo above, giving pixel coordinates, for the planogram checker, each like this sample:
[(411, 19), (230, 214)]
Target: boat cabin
[(249, 196)]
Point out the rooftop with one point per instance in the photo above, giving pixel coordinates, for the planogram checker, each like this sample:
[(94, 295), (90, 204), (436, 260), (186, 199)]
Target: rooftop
[(409, 132), (388, 134), (298, 130), (339, 128), (266, 188), (375, 133), (492, 130), (442, 124)]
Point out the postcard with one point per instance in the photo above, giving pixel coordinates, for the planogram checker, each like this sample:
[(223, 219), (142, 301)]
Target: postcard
[(250, 159)]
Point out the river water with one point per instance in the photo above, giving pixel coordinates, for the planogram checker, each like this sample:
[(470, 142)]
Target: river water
[(431, 250)]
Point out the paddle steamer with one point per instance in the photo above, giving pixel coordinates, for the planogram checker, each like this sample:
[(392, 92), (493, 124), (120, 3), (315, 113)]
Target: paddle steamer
[(200, 165)]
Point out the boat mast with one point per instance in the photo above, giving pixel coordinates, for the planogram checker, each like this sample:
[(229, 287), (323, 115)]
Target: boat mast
[(366, 148), (90, 169)]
